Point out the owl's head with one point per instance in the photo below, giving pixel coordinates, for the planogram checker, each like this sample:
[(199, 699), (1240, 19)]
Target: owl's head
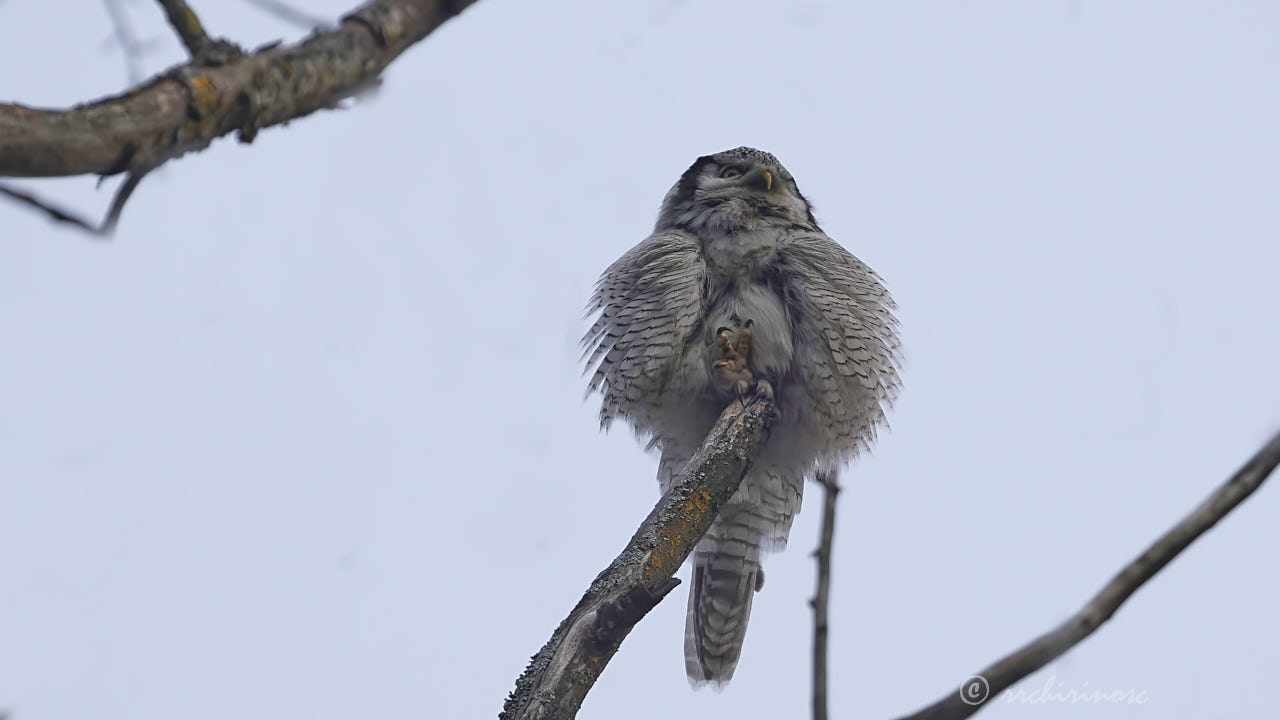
[(735, 190)]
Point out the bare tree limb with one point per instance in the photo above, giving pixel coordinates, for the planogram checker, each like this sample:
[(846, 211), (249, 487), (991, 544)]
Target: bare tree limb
[(188, 107), (1031, 657), (822, 595), (557, 679)]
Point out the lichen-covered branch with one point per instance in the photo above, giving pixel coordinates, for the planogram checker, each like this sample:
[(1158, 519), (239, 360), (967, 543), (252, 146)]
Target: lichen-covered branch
[(974, 694), (188, 107), (559, 676)]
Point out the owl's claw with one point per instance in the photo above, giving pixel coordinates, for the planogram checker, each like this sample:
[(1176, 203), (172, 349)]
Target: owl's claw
[(726, 341), (763, 391), (730, 372)]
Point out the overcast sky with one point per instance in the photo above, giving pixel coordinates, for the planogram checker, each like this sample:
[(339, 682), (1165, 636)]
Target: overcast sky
[(307, 438)]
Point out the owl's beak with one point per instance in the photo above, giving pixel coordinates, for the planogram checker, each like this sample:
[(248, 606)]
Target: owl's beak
[(760, 180)]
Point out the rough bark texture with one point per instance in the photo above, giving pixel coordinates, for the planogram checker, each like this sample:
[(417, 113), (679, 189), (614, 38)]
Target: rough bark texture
[(188, 107), (559, 676), (976, 691)]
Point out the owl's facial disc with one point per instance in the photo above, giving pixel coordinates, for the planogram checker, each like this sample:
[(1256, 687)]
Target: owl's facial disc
[(734, 190)]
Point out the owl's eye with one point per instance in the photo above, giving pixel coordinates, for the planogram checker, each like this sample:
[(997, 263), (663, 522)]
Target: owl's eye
[(730, 172)]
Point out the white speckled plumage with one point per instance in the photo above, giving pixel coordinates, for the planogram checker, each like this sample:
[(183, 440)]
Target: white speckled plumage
[(735, 241)]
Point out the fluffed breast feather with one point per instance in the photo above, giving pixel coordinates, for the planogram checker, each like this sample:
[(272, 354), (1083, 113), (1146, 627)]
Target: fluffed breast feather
[(650, 302), (844, 370), (845, 332)]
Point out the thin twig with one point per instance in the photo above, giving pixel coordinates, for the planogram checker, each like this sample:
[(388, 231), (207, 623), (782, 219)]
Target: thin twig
[(55, 213), (288, 13), (821, 597), (185, 22), (128, 41), (975, 692), (557, 679), (108, 225), (123, 194)]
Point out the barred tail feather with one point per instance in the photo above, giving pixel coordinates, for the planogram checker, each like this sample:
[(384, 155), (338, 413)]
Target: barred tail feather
[(726, 575)]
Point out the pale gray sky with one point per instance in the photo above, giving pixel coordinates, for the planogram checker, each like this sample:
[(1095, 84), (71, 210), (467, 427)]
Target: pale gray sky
[(307, 439)]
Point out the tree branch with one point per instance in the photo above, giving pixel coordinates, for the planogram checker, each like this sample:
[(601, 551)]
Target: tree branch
[(557, 679), (1039, 652), (187, 108), (821, 596)]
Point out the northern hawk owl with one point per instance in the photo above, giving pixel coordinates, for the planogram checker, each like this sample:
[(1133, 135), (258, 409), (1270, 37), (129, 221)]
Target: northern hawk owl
[(738, 290)]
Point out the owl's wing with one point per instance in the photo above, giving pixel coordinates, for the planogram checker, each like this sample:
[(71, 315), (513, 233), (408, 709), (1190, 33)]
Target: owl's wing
[(845, 335), (650, 302)]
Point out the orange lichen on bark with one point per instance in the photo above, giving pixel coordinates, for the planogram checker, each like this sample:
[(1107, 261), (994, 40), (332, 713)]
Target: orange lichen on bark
[(675, 536), (204, 95)]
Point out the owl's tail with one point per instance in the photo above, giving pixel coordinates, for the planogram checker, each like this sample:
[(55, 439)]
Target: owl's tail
[(726, 574)]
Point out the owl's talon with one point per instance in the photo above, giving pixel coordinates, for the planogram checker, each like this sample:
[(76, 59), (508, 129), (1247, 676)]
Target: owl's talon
[(726, 345), (763, 390)]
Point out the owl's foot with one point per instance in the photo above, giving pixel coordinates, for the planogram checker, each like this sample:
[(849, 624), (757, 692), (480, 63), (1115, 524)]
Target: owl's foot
[(730, 373)]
